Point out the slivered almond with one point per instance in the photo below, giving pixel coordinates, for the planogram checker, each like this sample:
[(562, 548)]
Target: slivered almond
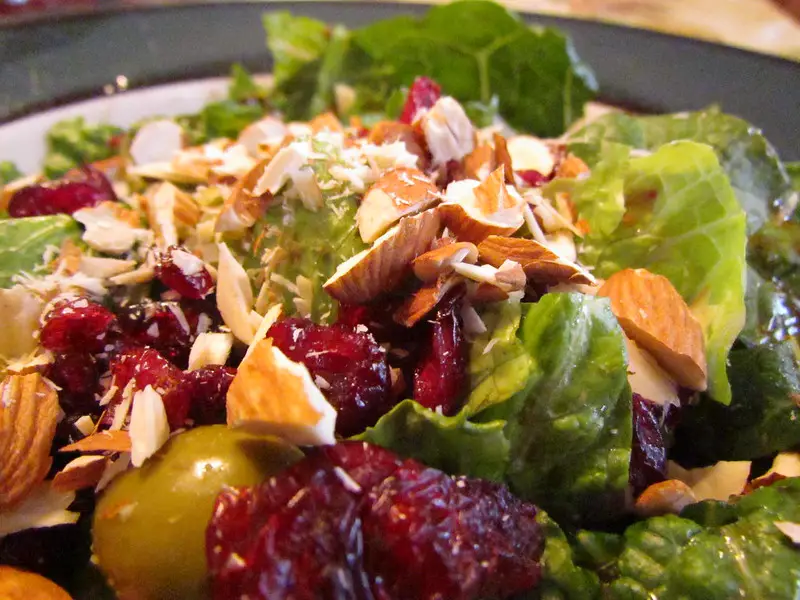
[(655, 316), (571, 167), (80, 473), (439, 261), (541, 265), (186, 210), (23, 585), (242, 208), (424, 300), (102, 441), (28, 416), (275, 395), (381, 267), (325, 122), (398, 193), (502, 158), (664, 497)]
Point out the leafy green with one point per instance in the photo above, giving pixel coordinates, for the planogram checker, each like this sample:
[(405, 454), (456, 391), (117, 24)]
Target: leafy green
[(793, 170), (598, 551), (682, 221), (772, 313), (26, 240), (243, 87), (8, 172), (451, 444), (475, 49), (764, 414), (73, 142), (225, 118), (673, 557), (570, 427), (774, 251)]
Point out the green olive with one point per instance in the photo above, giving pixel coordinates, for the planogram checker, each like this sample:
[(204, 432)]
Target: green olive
[(149, 525)]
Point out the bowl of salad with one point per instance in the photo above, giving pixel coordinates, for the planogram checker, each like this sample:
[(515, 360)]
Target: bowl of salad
[(412, 317)]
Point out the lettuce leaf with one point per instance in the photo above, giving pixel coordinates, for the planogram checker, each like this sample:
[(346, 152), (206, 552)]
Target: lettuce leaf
[(73, 142), (570, 428), (8, 172), (243, 86), (26, 240), (452, 444)]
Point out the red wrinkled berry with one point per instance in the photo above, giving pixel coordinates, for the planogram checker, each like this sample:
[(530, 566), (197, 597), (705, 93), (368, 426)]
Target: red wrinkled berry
[(422, 94), (145, 366), (441, 373), (86, 189), (348, 365), (77, 325), (532, 177), (207, 389), (183, 272), (77, 374), (648, 451)]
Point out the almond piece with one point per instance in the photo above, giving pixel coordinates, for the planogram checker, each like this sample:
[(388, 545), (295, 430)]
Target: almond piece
[(102, 441), (381, 267), (449, 133), (424, 300), (790, 530), (664, 497), (502, 158), (386, 132), (242, 208), (23, 585), (28, 416), (486, 293), (398, 193), (474, 211), (80, 473), (655, 316), (479, 163), (571, 167), (234, 295), (148, 429), (273, 394), (439, 261), (531, 154), (326, 122), (541, 265)]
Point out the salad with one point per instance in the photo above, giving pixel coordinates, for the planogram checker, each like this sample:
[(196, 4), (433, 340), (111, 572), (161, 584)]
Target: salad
[(402, 322)]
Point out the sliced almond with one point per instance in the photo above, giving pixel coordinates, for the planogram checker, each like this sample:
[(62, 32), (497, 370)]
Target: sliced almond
[(648, 379), (110, 228), (502, 157), (275, 395), (541, 265), (790, 530), (720, 481), (234, 295), (486, 293), (531, 154), (149, 429), (664, 497), (69, 258), (210, 349), (161, 205), (439, 261), (102, 441), (20, 310), (449, 133), (242, 208), (80, 473), (265, 135), (28, 416), (655, 316), (156, 141), (398, 193), (424, 300), (381, 267), (23, 585), (571, 167), (326, 122), (479, 163), (386, 132)]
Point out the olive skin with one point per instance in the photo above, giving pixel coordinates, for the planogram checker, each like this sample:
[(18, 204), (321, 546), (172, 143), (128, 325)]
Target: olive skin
[(149, 526)]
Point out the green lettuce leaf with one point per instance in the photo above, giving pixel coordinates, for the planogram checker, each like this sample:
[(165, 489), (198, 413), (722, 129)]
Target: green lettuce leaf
[(243, 86), (682, 221), (772, 313), (673, 557), (8, 172), (793, 170), (452, 444), (73, 142), (26, 240), (570, 428), (774, 251), (222, 119)]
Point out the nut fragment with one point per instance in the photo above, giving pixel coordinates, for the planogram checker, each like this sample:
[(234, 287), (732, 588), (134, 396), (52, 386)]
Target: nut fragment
[(424, 300), (429, 266), (23, 585), (242, 208), (325, 122), (655, 316), (398, 193), (103, 441), (664, 497), (386, 132), (28, 415), (485, 158), (449, 133), (571, 167), (381, 267), (234, 295), (80, 473), (541, 265)]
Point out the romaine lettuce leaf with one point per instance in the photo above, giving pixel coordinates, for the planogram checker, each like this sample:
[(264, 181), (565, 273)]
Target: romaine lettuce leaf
[(452, 444), (73, 142), (772, 314), (570, 428), (8, 172), (26, 240)]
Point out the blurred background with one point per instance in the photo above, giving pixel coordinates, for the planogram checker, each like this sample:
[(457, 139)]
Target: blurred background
[(769, 26)]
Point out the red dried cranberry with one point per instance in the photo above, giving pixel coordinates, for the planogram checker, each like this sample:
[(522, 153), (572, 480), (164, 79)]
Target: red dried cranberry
[(648, 451), (207, 389), (77, 375), (423, 94), (77, 325), (145, 366), (183, 272), (88, 188), (533, 178), (441, 374), (348, 365)]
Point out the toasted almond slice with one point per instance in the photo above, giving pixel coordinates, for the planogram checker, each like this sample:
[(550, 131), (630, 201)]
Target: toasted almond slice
[(266, 134), (234, 295), (424, 300), (69, 258), (149, 428), (531, 154), (485, 293), (161, 213), (429, 266), (655, 316), (717, 482), (242, 208), (210, 349), (325, 122), (102, 441), (23, 585), (479, 163), (502, 157), (386, 132), (664, 497), (20, 309), (28, 416), (156, 141), (275, 395), (541, 265), (143, 274), (104, 268), (270, 317), (398, 193), (571, 167), (110, 228), (80, 473), (648, 379), (381, 267)]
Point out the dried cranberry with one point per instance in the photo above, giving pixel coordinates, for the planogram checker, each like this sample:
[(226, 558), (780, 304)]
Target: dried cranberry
[(423, 94), (88, 188), (78, 377), (532, 177), (348, 365), (648, 451), (207, 388), (183, 272), (145, 366), (77, 325), (441, 374)]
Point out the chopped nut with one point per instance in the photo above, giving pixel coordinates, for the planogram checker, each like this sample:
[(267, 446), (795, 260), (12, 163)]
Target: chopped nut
[(429, 266), (110, 228), (530, 154), (653, 314), (210, 349), (242, 208), (326, 122), (386, 132), (234, 295), (448, 131), (20, 309), (149, 428), (80, 473), (717, 482), (502, 158), (424, 300), (664, 497), (571, 167), (102, 441), (156, 141)]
